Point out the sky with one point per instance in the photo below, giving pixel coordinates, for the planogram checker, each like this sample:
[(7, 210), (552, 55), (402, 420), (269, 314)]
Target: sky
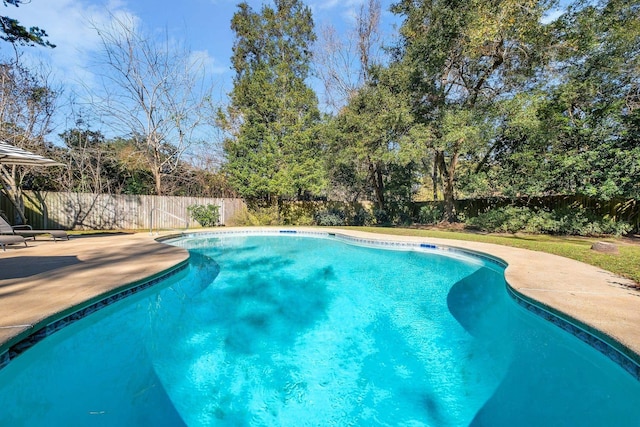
[(203, 25)]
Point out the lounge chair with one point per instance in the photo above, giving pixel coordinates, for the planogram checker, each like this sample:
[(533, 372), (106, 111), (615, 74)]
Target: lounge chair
[(11, 240), (27, 231)]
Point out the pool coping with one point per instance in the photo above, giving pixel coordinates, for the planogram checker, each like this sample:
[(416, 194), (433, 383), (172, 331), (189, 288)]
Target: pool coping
[(50, 325), (47, 286), (564, 304)]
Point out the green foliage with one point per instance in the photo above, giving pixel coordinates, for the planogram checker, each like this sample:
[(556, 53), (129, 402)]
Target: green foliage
[(241, 218), (16, 33), (458, 60), (509, 219), (575, 130), (273, 149), (331, 217), (373, 148), (568, 221), (205, 215), (430, 214), (297, 213), (257, 215), (361, 217), (324, 213), (266, 215), (337, 216), (381, 217)]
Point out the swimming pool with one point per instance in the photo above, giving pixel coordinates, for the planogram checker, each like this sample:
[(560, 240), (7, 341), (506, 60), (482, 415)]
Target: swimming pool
[(311, 330)]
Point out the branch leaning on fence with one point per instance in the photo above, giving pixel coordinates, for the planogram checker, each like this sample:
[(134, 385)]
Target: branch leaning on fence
[(186, 221)]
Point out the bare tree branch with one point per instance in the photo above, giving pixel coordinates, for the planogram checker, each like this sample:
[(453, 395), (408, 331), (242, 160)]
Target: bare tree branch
[(152, 91)]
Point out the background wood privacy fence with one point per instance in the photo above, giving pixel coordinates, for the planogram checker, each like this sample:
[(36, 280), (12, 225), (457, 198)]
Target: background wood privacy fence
[(114, 212), (131, 212)]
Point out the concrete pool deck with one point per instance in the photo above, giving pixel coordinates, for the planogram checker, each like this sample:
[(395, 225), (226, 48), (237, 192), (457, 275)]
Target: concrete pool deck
[(40, 282)]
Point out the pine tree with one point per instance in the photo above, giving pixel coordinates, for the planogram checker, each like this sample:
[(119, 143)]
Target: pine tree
[(272, 151)]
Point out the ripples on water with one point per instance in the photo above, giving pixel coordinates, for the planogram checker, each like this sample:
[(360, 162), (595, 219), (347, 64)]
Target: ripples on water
[(293, 331)]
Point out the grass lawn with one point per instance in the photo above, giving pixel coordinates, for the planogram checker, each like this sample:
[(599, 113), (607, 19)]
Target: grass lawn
[(626, 263)]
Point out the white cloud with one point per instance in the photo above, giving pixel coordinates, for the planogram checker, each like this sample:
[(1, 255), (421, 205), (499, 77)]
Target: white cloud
[(208, 62), (332, 4), (70, 26), (327, 4)]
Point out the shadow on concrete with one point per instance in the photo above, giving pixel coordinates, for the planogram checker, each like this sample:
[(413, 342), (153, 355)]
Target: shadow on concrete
[(86, 234), (100, 265), (26, 266)]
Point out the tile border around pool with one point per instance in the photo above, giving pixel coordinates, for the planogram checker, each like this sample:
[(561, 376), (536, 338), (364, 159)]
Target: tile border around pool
[(609, 347), (421, 246), (78, 312), (625, 358)]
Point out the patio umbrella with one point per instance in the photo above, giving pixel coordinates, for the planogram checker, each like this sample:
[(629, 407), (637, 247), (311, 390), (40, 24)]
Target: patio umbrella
[(11, 155)]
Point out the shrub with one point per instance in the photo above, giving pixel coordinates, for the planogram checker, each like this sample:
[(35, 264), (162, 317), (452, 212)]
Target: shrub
[(240, 218), (573, 221), (542, 221), (256, 215), (430, 214), (330, 217), (381, 217), (297, 213), (206, 216), (265, 215), (580, 221), (507, 219), (362, 217), (302, 220)]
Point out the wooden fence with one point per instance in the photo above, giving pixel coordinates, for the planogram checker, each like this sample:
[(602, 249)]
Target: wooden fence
[(129, 212), (114, 212)]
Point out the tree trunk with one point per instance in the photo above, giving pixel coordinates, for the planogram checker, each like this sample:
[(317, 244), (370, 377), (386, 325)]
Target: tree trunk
[(378, 184), (43, 208), (434, 174), (157, 176), (448, 176), (273, 202), (12, 190), (15, 197)]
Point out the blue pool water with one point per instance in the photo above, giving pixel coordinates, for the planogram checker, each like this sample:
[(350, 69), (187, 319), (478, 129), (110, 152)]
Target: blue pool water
[(296, 331)]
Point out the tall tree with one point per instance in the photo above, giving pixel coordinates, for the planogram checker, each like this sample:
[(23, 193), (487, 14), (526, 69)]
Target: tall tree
[(154, 92), (272, 149), (460, 56), (16, 33), (594, 108), (577, 130), (373, 150), (86, 155), (344, 64)]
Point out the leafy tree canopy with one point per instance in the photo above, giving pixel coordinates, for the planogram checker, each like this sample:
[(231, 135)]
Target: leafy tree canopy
[(273, 150), (15, 33)]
